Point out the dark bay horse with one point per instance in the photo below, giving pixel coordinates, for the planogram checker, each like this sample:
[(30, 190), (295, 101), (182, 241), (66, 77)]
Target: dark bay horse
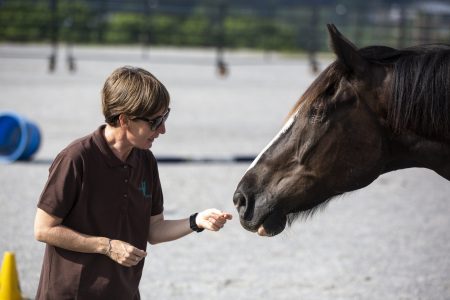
[(373, 110)]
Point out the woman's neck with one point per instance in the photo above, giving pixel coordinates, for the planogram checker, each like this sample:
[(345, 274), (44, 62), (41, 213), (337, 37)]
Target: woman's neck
[(117, 142)]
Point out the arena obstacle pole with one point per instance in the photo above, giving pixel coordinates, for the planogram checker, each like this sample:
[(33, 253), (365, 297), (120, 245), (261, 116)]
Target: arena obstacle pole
[(222, 68), (53, 5), (205, 159), (9, 280)]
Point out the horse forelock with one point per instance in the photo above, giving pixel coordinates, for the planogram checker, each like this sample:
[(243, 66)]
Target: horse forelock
[(314, 94)]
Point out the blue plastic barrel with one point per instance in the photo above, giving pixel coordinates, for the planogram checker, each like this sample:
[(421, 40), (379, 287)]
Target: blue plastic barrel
[(19, 138)]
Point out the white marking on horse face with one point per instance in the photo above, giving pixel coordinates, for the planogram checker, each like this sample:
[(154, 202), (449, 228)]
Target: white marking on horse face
[(283, 130)]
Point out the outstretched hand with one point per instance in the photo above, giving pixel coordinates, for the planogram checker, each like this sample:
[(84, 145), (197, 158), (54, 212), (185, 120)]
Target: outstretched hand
[(212, 219), (124, 253)]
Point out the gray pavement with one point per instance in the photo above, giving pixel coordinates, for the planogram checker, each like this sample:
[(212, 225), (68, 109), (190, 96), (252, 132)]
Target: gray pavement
[(390, 240)]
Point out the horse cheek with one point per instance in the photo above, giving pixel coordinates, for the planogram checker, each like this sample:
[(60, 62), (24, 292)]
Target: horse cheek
[(361, 161)]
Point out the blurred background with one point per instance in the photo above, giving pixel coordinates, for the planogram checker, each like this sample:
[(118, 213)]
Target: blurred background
[(233, 69), (292, 26)]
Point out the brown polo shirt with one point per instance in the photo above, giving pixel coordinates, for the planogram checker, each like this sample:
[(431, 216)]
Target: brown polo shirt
[(95, 193)]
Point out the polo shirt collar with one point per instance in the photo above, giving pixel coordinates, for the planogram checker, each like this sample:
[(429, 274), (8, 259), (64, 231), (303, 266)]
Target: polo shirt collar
[(111, 159)]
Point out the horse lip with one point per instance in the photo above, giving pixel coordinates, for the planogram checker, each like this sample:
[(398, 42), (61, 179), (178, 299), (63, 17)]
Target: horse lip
[(270, 224), (273, 224), (250, 226)]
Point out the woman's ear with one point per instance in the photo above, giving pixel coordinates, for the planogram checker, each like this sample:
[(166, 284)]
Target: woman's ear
[(123, 120)]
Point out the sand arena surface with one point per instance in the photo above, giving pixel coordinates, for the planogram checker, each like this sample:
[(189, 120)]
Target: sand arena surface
[(390, 240)]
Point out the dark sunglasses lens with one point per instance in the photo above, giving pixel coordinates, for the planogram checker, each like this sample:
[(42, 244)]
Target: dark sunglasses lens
[(156, 123), (159, 120)]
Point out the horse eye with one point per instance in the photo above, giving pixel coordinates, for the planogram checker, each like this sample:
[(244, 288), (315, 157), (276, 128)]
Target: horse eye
[(317, 112)]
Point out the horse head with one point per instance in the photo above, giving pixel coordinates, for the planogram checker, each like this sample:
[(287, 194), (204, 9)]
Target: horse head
[(337, 139)]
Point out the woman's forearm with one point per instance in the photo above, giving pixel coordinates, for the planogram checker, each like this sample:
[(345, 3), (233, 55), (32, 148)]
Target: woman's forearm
[(69, 239), (168, 230), (49, 229)]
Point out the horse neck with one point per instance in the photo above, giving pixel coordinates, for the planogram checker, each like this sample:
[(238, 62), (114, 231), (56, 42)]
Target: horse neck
[(410, 150)]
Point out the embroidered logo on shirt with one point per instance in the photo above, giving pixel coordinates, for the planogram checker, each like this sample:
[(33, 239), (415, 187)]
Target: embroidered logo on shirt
[(143, 189)]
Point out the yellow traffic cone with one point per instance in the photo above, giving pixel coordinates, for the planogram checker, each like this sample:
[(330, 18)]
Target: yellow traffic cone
[(9, 280)]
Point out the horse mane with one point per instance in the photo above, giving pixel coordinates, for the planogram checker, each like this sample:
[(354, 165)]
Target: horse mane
[(419, 92)]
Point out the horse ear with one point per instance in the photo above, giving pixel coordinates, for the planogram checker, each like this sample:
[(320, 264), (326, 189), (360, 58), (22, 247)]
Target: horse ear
[(347, 52)]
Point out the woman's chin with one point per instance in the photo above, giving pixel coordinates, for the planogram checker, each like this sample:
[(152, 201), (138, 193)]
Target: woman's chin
[(149, 143)]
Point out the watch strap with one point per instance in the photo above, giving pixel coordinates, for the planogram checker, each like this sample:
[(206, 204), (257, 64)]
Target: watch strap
[(193, 224)]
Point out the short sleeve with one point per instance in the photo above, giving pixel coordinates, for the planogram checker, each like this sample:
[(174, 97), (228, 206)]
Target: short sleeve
[(62, 187), (157, 194)]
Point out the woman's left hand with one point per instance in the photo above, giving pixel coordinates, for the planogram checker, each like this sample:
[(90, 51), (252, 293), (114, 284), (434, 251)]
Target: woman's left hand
[(212, 219)]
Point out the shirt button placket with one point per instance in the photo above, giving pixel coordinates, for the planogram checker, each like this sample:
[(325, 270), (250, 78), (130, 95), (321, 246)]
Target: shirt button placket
[(125, 195)]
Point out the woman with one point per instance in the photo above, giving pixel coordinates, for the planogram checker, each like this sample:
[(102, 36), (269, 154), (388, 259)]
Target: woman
[(103, 201)]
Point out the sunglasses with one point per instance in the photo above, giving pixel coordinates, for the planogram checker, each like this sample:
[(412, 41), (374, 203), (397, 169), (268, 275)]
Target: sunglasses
[(156, 122)]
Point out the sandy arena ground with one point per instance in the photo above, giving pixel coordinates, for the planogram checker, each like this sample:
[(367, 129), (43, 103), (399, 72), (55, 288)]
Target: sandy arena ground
[(388, 241)]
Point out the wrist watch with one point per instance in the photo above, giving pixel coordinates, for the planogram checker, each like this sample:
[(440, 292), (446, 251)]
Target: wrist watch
[(193, 224)]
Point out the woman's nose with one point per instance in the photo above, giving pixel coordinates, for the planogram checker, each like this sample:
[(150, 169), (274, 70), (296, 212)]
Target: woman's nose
[(162, 128)]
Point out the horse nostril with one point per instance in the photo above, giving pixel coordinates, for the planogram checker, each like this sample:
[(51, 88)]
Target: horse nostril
[(239, 200), (243, 206)]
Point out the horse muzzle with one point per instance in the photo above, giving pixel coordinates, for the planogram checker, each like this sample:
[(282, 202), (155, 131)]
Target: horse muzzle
[(256, 217)]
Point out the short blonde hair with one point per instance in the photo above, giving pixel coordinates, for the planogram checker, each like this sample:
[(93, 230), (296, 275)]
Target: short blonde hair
[(133, 92)]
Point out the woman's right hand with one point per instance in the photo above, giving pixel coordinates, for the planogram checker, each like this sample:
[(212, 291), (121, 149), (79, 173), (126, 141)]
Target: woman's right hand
[(124, 254)]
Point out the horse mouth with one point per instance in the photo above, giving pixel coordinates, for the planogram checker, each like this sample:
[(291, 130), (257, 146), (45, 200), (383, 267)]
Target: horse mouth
[(265, 221), (273, 224)]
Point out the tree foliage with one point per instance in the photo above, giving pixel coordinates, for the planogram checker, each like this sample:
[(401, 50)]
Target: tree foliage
[(275, 25)]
